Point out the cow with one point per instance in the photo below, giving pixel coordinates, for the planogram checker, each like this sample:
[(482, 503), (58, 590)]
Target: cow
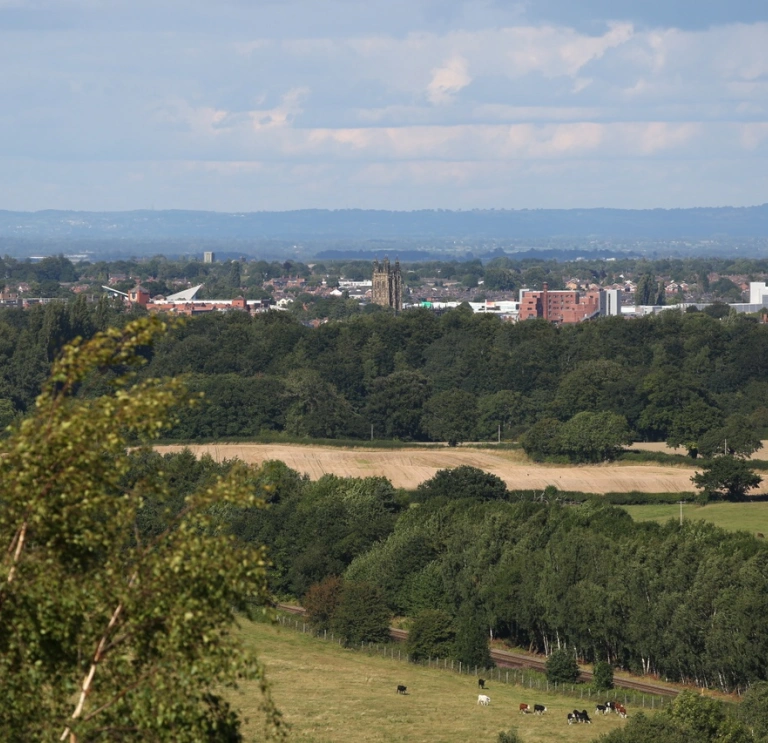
[(577, 716), (539, 709), (601, 709), (524, 708), (572, 718), (401, 689), (621, 710), (585, 717), (483, 699), (610, 707), (481, 683)]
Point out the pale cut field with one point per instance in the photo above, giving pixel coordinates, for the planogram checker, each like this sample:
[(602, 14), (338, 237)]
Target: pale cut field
[(331, 695), (408, 467), (662, 447)]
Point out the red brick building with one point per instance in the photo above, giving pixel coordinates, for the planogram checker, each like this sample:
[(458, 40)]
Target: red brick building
[(560, 306)]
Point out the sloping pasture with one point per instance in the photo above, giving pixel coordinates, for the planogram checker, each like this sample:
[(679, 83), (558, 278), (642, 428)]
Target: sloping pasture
[(331, 695)]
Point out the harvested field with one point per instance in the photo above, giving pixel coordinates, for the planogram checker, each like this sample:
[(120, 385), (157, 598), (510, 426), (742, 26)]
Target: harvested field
[(660, 446), (408, 467)]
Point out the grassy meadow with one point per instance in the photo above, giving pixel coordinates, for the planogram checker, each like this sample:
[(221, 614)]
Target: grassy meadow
[(751, 517), (331, 695)]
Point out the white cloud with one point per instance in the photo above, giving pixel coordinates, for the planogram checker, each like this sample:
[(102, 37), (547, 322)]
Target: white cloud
[(448, 80)]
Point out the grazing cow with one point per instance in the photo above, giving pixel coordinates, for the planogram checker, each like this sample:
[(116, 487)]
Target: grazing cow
[(621, 710), (481, 683), (610, 707), (577, 716), (601, 709), (401, 689), (483, 699), (524, 708), (572, 718), (585, 717), (539, 709)]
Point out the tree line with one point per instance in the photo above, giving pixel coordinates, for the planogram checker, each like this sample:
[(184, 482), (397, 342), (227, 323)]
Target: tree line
[(688, 379)]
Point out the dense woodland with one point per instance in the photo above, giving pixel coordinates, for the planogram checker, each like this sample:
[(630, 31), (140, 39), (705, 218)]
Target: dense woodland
[(686, 602), (679, 377)]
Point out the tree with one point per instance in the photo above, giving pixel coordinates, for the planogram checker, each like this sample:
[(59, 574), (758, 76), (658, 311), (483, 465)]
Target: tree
[(726, 477), (472, 639), (541, 440), (602, 679), (646, 289), (463, 482), (104, 633), (691, 423), (509, 736), (395, 405), (362, 614), (737, 437), (431, 635), (450, 416), (562, 667), (753, 710), (322, 600), (593, 437)]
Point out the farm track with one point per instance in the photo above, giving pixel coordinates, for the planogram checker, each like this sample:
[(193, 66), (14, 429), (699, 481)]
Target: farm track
[(506, 659)]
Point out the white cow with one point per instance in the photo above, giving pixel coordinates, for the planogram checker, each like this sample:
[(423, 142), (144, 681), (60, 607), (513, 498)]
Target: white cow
[(483, 699)]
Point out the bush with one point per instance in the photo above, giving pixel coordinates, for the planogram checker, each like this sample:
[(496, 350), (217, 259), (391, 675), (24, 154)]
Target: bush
[(431, 636), (472, 640), (726, 477), (321, 601), (602, 679), (463, 482), (362, 614), (562, 667), (509, 736)]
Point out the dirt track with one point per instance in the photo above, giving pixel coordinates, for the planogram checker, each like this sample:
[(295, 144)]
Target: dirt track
[(408, 467)]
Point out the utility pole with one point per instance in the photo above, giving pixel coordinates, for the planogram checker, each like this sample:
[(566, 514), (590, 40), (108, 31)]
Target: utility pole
[(371, 431), (499, 436), (681, 511)]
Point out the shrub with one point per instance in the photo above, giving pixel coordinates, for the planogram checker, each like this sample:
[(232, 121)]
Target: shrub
[(362, 614), (472, 640), (321, 601), (602, 679), (509, 736), (431, 636), (562, 667)]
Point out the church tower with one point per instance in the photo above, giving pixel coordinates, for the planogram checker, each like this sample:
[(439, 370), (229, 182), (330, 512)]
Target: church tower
[(387, 285)]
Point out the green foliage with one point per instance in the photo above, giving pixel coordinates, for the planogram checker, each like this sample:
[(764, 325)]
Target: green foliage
[(602, 678), (753, 710), (395, 405), (737, 436), (321, 601), (562, 667), (103, 629), (431, 635), (587, 437), (726, 477), (463, 482), (362, 614), (509, 736), (450, 416), (471, 645)]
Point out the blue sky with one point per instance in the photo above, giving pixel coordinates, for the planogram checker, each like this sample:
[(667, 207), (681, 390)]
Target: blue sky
[(241, 105)]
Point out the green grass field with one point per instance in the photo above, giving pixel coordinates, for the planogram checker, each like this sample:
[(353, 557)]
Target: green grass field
[(331, 695), (751, 517)]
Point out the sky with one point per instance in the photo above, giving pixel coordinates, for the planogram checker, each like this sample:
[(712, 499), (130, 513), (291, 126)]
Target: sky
[(249, 105)]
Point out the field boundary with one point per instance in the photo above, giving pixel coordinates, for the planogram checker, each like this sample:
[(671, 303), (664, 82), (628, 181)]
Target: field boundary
[(524, 677)]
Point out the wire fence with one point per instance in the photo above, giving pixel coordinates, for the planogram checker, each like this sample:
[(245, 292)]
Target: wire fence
[(524, 677)]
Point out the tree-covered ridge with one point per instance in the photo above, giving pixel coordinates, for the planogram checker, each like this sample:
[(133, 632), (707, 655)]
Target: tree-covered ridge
[(686, 378), (685, 602)]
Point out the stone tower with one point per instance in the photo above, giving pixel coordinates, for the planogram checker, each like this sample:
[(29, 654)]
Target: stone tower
[(387, 285)]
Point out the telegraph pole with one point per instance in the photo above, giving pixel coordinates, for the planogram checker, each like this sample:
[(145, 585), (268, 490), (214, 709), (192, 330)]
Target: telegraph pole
[(681, 511)]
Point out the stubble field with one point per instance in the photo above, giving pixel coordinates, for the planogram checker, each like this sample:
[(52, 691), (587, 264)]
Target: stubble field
[(331, 695), (408, 467)]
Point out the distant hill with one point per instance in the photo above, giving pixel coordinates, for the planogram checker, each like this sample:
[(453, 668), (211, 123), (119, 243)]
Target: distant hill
[(361, 224)]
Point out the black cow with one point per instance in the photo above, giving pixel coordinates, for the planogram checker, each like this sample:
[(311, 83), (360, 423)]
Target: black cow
[(577, 716), (585, 717), (539, 709), (610, 706), (481, 683), (601, 708), (401, 689)]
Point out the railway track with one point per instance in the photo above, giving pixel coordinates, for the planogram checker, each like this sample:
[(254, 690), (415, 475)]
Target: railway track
[(507, 659)]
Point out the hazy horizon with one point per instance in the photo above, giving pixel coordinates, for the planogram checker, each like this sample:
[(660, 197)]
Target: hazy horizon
[(239, 106)]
